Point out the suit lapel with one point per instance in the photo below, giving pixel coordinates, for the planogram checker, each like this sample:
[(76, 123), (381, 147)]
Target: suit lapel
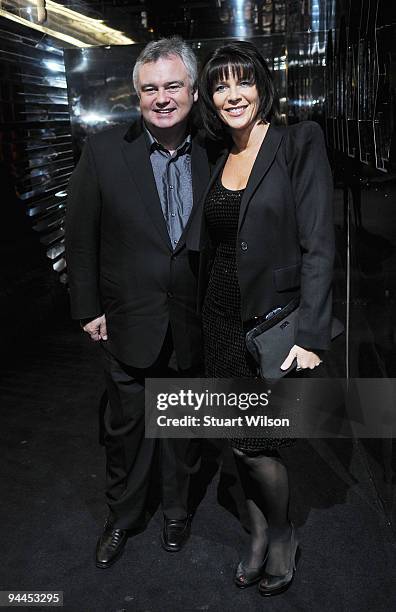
[(196, 238), (199, 170), (137, 159), (216, 171), (262, 164)]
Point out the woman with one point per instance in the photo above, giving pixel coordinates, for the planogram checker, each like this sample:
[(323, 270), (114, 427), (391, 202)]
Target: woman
[(268, 217)]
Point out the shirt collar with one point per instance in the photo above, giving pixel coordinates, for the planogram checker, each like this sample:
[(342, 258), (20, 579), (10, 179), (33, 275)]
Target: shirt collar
[(154, 145)]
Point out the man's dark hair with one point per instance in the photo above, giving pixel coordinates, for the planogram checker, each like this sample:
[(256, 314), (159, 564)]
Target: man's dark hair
[(242, 60)]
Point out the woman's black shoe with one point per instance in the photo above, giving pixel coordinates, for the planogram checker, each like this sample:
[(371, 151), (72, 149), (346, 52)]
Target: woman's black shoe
[(273, 585), (245, 576)]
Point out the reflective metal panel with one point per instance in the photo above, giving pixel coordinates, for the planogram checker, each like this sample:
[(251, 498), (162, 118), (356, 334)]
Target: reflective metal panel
[(100, 88), (36, 141), (60, 22), (360, 111)]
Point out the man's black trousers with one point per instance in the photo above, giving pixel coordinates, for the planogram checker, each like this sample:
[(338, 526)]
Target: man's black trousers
[(130, 457)]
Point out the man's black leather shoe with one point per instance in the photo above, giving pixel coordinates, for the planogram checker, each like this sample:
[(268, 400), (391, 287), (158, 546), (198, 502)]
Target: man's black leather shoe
[(175, 533), (110, 546)]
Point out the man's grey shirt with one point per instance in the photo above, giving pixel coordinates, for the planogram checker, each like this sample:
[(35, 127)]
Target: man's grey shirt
[(173, 178)]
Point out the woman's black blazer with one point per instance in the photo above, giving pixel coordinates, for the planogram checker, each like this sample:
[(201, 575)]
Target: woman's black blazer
[(285, 240)]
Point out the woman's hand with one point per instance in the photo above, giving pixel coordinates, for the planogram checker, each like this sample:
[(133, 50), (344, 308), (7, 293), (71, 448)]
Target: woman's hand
[(305, 359)]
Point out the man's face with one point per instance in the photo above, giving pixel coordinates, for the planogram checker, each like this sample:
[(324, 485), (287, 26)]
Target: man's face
[(166, 94)]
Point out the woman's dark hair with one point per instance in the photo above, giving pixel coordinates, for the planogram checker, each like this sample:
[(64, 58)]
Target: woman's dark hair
[(242, 60)]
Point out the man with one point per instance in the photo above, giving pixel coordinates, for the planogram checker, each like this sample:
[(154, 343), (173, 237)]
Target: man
[(133, 283)]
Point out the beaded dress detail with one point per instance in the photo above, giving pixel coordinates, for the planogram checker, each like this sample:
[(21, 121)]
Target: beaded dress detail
[(226, 355)]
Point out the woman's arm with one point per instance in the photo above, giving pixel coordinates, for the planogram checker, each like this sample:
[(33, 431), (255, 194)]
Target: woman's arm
[(312, 186)]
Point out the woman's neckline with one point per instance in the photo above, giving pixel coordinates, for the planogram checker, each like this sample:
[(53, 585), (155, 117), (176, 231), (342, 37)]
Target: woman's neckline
[(258, 151), (230, 190)]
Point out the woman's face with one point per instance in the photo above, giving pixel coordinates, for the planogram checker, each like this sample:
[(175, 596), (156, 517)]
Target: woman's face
[(236, 101)]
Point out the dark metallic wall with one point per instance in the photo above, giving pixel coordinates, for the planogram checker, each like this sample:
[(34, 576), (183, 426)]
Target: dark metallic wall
[(360, 110), (36, 162), (360, 127)]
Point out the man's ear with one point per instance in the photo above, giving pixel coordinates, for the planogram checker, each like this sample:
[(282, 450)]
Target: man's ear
[(195, 94)]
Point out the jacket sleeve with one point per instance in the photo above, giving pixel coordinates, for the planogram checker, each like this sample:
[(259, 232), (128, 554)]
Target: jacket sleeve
[(83, 238), (312, 186)]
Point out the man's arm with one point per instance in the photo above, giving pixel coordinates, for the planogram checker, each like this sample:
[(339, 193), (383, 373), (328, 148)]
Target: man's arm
[(83, 238)]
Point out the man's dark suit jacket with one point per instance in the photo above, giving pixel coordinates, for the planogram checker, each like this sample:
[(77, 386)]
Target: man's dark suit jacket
[(285, 241), (119, 256)]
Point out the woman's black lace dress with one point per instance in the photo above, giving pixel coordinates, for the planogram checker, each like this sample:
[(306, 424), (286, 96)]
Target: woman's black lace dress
[(226, 355)]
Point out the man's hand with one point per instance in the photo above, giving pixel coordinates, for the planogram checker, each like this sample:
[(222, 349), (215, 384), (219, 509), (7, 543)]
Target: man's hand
[(97, 329), (305, 359)]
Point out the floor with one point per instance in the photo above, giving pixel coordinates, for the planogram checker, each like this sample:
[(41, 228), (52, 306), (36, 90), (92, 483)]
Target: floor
[(53, 508)]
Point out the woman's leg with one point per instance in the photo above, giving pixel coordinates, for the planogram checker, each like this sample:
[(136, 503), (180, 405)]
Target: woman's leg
[(265, 482), (255, 553)]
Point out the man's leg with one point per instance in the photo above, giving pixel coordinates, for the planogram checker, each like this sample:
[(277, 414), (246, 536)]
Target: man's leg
[(180, 458), (129, 457)]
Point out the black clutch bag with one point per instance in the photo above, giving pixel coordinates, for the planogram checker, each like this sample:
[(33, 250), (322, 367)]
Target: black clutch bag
[(271, 339)]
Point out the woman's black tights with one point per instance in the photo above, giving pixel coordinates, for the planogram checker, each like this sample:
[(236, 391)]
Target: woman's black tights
[(266, 485)]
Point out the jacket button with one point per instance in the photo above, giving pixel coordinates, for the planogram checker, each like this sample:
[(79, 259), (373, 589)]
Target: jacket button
[(169, 294), (244, 246)]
